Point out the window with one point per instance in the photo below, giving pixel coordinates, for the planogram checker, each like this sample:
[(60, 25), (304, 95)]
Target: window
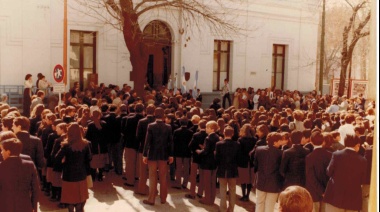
[(221, 63), (278, 66), (82, 57)]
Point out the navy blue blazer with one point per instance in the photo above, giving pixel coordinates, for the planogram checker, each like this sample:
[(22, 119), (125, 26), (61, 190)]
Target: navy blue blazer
[(19, 186), (347, 172), (316, 176), (158, 141), (246, 146), (32, 146), (207, 154), (181, 140), (142, 127), (267, 166), (129, 131), (226, 156), (198, 138), (293, 166)]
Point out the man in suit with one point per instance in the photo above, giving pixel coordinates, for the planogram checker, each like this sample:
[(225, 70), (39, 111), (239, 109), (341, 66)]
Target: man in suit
[(226, 156), (293, 162), (208, 163), (194, 145), (316, 166), (181, 139), (347, 172), (158, 151), (142, 127), (19, 187), (131, 145), (113, 137), (266, 164), (31, 145)]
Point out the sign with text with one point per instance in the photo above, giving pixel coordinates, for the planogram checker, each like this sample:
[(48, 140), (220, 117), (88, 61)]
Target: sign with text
[(59, 88)]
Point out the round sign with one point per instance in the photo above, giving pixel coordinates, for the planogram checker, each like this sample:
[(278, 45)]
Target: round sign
[(58, 73)]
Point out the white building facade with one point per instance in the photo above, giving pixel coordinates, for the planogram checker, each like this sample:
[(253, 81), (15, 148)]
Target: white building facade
[(278, 47)]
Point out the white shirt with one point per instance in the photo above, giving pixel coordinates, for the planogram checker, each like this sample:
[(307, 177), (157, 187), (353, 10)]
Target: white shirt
[(347, 129), (28, 84)]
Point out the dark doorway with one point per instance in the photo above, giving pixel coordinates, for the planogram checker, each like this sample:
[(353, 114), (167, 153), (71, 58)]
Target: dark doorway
[(158, 38)]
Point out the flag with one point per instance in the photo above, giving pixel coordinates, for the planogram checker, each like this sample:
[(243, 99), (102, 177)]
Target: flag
[(195, 84), (183, 84)]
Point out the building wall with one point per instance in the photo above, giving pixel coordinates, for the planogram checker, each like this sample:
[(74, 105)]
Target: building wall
[(31, 41)]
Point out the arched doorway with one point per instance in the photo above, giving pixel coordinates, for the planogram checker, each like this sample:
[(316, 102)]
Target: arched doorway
[(158, 39)]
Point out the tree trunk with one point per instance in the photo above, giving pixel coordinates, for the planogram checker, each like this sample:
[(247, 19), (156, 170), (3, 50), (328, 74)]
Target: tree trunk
[(133, 37)]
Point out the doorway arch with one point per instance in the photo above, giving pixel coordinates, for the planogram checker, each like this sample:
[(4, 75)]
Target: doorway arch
[(158, 39)]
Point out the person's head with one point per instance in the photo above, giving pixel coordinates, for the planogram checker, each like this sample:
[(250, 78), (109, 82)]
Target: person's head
[(247, 131), (211, 127), (228, 132), (349, 118), (10, 147), (295, 199), (28, 77), (335, 135), (317, 138), (20, 124), (296, 137), (305, 136), (139, 108), (352, 141), (159, 113), (262, 130), (61, 128), (327, 139), (41, 94), (202, 124), (359, 130), (75, 137), (4, 135), (195, 119), (7, 122), (273, 139), (183, 121), (150, 109)]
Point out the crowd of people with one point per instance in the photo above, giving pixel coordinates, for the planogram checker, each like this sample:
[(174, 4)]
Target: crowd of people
[(269, 141)]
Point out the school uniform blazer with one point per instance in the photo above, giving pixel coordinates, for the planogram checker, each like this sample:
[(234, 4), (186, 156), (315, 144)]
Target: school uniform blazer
[(293, 166), (129, 131), (246, 146), (347, 172), (181, 140), (97, 138), (19, 186), (76, 163), (32, 146), (198, 138), (142, 127), (158, 141), (49, 148), (316, 176), (207, 154), (112, 128), (267, 166), (226, 157)]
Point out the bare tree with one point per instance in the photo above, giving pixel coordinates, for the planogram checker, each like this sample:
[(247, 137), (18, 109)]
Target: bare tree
[(349, 44), (190, 14)]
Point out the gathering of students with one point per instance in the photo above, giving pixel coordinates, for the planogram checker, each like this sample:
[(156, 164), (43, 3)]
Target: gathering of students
[(266, 143)]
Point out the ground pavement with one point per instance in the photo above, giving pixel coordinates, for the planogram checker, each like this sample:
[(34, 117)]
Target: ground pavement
[(112, 195)]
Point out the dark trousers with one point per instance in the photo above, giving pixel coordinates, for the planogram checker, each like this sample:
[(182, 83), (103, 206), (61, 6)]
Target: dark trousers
[(209, 182), (228, 97)]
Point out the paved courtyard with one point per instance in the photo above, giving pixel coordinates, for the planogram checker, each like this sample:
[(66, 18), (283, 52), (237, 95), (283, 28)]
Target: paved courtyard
[(112, 195)]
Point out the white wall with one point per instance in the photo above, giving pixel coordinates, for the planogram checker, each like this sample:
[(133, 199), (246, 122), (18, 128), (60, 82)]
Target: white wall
[(31, 41)]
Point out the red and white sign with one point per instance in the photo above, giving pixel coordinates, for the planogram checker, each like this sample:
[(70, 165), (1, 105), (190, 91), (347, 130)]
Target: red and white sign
[(58, 73)]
